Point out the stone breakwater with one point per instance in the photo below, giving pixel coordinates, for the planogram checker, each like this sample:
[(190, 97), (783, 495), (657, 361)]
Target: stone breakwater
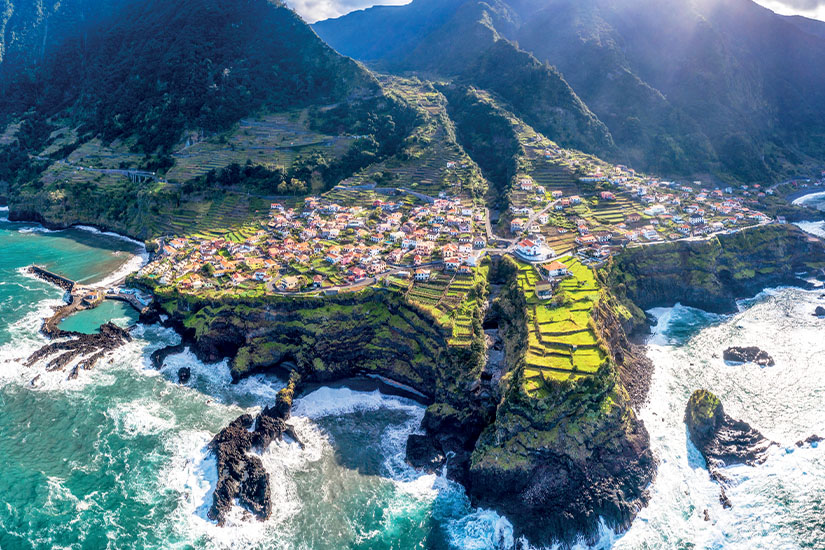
[(86, 349)]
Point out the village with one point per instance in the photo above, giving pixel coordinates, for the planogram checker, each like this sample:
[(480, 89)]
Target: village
[(320, 245)]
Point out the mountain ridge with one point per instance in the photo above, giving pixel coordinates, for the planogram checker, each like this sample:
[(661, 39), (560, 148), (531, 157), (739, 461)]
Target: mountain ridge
[(688, 88)]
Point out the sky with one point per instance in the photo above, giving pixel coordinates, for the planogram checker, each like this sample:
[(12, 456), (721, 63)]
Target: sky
[(315, 10), (814, 9)]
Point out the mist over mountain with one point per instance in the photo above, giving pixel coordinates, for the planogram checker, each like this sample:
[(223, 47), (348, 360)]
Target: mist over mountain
[(685, 87)]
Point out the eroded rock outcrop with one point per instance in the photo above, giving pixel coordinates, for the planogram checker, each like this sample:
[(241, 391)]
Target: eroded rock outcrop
[(750, 354), (722, 440), (88, 348), (557, 465), (242, 477)]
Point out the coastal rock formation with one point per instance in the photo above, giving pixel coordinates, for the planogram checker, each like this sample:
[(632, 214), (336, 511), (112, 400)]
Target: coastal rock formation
[(158, 357), (89, 348), (560, 464), (555, 465), (819, 311), (812, 440), (711, 275), (722, 440), (242, 477), (750, 354), (184, 374)]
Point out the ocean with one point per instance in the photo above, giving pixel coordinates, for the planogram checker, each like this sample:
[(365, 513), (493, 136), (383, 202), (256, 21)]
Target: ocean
[(117, 458)]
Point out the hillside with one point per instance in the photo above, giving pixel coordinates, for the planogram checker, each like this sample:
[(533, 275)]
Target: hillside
[(113, 116), (685, 88), (205, 71), (463, 40)]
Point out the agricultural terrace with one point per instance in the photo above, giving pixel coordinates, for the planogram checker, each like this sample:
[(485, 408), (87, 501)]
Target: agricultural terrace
[(433, 162), (231, 215), (270, 140), (562, 343), (449, 298)]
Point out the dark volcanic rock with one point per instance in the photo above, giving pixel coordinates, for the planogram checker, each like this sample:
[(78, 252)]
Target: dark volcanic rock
[(748, 355), (819, 311), (159, 356), (184, 374), (722, 440), (88, 348), (810, 440), (241, 476), (423, 454)]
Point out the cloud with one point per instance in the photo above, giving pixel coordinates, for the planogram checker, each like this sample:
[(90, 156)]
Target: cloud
[(808, 8), (804, 5), (315, 10)]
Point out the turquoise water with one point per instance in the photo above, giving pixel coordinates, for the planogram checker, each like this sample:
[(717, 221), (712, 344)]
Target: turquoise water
[(88, 321), (117, 458)]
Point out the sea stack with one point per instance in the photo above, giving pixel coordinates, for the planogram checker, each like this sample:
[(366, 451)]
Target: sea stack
[(722, 440)]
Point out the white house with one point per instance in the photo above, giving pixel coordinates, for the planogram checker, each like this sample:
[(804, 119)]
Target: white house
[(528, 247)]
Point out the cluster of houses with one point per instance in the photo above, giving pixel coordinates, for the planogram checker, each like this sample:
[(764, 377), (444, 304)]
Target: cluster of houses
[(662, 211), (326, 244)]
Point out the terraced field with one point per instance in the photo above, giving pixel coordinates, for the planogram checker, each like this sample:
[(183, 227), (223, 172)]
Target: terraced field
[(562, 345), (274, 140), (434, 161), (231, 215), (446, 297), (611, 212), (95, 154)]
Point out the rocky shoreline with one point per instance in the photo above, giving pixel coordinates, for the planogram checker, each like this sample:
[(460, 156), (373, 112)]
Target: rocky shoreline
[(564, 474), (88, 348)]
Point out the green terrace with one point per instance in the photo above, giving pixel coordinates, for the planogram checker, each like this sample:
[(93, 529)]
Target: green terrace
[(423, 167), (228, 214), (272, 140), (562, 343), (448, 298)]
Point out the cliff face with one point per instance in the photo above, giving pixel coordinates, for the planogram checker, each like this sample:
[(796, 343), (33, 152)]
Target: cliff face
[(575, 456), (713, 274), (328, 338), (557, 465)]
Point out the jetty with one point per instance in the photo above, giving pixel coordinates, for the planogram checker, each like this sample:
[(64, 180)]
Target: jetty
[(84, 350), (89, 297)]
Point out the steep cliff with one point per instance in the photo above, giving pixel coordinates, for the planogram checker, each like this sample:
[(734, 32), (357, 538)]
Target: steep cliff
[(713, 274), (558, 464)]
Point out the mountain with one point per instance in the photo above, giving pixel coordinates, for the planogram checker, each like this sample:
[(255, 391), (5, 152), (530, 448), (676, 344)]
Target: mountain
[(137, 115), (151, 69), (810, 26), (684, 87), (463, 40)]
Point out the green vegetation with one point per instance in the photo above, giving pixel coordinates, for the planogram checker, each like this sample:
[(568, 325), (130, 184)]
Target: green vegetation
[(158, 68), (562, 342)]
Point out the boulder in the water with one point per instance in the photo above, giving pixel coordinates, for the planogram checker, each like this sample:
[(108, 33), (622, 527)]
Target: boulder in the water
[(819, 311), (423, 453), (722, 440), (750, 354), (184, 374), (812, 440)]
